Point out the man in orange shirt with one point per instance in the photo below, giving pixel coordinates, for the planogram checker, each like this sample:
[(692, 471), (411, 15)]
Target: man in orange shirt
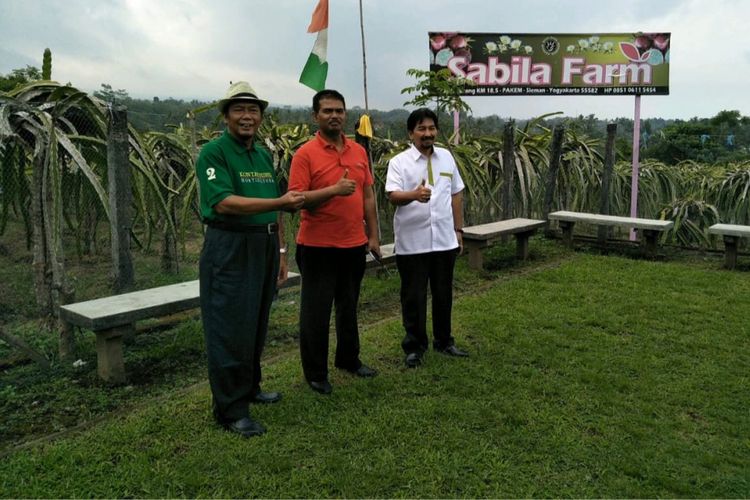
[(338, 227)]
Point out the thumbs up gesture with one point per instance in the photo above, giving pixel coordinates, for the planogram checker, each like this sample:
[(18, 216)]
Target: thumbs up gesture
[(345, 186), (422, 194)]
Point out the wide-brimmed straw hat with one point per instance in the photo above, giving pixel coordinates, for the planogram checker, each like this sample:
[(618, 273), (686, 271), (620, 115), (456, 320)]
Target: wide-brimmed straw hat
[(241, 91)]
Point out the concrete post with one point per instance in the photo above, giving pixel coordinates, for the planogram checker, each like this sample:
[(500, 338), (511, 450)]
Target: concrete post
[(120, 199), (509, 164), (558, 134), (609, 165)]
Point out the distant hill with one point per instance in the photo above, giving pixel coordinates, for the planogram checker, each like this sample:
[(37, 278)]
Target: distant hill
[(162, 114)]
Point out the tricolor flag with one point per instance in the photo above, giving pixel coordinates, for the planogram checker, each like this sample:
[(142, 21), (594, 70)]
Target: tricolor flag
[(315, 71)]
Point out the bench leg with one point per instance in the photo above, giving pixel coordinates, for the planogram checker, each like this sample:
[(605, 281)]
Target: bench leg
[(475, 255), (567, 231), (522, 244), (730, 251), (602, 235), (67, 344), (651, 237), (109, 362)]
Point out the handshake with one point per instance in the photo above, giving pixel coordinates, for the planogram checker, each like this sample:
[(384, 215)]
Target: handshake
[(292, 201)]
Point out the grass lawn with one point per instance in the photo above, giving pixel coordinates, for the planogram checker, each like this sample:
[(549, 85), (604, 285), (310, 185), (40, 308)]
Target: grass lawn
[(597, 377)]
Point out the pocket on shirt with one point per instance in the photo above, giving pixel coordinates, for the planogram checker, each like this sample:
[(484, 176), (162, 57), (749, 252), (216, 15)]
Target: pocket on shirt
[(444, 181)]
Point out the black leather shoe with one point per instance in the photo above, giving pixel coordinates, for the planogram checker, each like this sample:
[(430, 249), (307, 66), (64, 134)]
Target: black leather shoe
[(265, 398), (454, 351), (245, 427), (413, 360), (364, 371), (323, 387)]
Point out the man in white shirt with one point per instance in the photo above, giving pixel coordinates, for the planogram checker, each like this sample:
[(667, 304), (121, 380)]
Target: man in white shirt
[(426, 187)]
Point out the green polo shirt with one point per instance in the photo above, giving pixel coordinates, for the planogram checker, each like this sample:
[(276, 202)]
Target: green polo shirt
[(225, 166)]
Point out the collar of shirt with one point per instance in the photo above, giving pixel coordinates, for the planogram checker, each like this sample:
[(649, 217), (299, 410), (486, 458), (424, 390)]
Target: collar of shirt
[(237, 146), (327, 145), (415, 154)]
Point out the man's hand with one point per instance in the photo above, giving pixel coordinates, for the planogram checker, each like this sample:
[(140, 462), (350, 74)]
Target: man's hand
[(422, 194), (373, 245), (345, 186), (460, 238), (292, 200)]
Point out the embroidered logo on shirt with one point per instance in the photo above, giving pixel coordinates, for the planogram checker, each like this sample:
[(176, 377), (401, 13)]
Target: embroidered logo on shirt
[(256, 177)]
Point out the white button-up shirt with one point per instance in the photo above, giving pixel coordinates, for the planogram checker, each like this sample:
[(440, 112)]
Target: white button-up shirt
[(424, 227)]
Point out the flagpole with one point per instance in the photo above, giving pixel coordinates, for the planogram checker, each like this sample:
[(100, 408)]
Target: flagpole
[(364, 58), (367, 112)]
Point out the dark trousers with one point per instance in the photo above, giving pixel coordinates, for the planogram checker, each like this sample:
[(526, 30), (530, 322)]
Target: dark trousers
[(416, 271), (238, 274), (329, 276)]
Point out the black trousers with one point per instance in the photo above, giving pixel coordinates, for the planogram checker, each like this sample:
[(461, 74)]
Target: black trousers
[(329, 276), (238, 274), (416, 271)]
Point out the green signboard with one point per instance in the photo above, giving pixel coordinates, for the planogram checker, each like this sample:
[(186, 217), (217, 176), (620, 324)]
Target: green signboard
[(555, 63)]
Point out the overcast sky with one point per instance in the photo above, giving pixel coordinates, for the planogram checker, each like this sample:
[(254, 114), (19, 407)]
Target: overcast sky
[(191, 49)]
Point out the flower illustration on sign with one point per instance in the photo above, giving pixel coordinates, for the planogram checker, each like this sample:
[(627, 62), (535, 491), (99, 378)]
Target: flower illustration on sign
[(650, 48), (590, 44), (505, 44)]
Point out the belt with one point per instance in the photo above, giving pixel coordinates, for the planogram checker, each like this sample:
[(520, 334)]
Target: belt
[(235, 227)]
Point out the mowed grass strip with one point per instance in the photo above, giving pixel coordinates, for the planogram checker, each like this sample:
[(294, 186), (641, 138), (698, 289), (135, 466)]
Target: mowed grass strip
[(603, 377)]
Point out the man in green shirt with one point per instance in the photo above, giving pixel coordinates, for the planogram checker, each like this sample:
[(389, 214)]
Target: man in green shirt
[(243, 258)]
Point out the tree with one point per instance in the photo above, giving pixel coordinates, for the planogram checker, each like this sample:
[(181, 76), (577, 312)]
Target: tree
[(587, 125), (111, 96), (681, 141), (19, 77), (440, 86), (723, 138), (731, 119)]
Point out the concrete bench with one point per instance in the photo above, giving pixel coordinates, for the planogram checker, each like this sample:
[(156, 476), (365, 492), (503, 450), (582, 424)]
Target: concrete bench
[(478, 237), (651, 227), (731, 234), (113, 317)]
